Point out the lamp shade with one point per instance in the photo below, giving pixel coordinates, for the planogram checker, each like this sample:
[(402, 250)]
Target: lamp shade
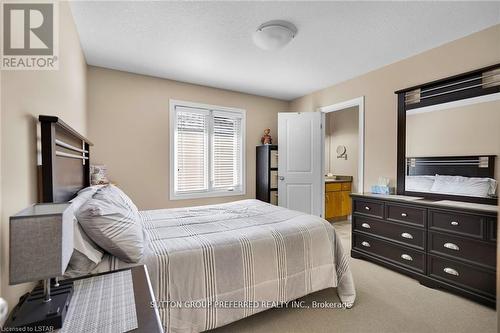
[(41, 242)]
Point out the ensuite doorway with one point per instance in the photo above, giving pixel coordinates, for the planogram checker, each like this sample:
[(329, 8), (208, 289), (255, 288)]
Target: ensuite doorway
[(343, 157)]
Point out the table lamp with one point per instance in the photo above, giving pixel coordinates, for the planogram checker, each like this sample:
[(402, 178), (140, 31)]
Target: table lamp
[(41, 245)]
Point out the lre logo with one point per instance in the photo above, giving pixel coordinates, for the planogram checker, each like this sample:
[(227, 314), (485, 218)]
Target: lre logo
[(30, 36)]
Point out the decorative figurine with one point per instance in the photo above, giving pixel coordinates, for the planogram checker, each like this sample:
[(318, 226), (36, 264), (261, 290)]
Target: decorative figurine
[(267, 138)]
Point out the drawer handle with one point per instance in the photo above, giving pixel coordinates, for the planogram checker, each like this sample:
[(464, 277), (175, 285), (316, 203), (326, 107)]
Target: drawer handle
[(406, 257), (366, 225), (404, 214), (451, 246), (365, 244), (407, 235), (367, 208), (451, 271), (454, 223)]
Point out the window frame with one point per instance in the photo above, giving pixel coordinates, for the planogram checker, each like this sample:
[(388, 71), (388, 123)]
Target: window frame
[(211, 192)]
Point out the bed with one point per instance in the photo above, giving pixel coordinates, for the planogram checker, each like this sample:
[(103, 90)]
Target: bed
[(204, 260), (213, 265)]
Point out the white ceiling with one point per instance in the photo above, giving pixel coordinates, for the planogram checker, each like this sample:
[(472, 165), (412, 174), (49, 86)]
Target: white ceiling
[(210, 43)]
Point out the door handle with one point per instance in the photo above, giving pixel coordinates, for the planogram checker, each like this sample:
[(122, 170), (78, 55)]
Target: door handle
[(281, 178), (407, 257), (407, 235), (366, 225), (451, 271), (365, 244), (451, 246)]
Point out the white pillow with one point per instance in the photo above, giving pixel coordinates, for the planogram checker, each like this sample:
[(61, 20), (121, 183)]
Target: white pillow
[(112, 189), (419, 183), (82, 244), (79, 265), (112, 221), (469, 186)]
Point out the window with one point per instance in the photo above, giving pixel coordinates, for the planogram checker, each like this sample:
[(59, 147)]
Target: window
[(206, 150)]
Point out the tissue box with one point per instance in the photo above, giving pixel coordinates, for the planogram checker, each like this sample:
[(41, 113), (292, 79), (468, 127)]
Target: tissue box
[(381, 189)]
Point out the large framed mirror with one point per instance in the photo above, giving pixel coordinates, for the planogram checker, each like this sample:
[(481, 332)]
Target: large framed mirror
[(449, 138)]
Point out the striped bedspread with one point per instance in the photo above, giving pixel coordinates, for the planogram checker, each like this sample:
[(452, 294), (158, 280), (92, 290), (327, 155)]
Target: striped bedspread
[(212, 265)]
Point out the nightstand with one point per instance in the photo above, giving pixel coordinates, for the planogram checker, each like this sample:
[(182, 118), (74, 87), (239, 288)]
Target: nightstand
[(148, 320)]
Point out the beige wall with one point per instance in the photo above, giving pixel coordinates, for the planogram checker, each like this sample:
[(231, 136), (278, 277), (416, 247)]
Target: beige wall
[(25, 95), (467, 130), (472, 52), (129, 125), (342, 129)]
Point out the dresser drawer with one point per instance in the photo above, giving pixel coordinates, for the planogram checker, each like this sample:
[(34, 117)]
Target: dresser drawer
[(477, 252), (403, 256), (460, 224), (370, 208), (395, 232), (492, 230), (456, 273), (406, 214)]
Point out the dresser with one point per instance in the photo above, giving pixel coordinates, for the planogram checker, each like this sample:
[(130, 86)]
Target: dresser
[(442, 244)]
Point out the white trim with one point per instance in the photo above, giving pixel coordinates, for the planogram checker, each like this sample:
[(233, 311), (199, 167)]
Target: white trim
[(455, 104), (174, 102), (172, 127), (208, 194), (360, 103), (323, 134)]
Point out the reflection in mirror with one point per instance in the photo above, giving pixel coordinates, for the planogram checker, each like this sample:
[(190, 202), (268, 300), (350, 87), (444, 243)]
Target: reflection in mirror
[(451, 148)]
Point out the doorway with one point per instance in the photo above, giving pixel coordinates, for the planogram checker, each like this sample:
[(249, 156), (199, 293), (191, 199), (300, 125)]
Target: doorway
[(342, 157)]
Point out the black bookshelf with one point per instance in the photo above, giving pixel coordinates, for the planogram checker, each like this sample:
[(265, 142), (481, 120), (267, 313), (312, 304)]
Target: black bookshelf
[(267, 173)]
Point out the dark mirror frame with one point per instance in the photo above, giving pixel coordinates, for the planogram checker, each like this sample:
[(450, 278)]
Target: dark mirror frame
[(483, 81)]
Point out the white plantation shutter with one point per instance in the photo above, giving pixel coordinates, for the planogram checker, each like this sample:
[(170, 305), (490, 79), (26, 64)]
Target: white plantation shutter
[(226, 150), (207, 151), (191, 150)]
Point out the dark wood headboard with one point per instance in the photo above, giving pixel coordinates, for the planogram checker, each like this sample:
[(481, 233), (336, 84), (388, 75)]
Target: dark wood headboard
[(466, 166), (65, 165)]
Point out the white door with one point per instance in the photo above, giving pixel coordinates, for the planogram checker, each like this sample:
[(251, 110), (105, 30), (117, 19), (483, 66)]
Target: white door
[(300, 162)]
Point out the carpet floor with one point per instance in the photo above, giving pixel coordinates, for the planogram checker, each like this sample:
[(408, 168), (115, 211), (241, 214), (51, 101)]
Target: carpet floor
[(386, 302)]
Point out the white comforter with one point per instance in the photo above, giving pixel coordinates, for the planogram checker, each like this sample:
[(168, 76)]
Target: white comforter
[(212, 265)]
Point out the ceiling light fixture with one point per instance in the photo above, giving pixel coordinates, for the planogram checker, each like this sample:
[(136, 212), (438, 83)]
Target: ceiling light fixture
[(274, 35)]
